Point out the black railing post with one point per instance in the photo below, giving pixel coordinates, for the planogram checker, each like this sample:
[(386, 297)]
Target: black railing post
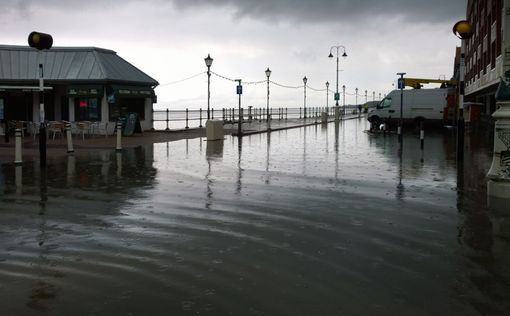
[(187, 118), (200, 118), (167, 120)]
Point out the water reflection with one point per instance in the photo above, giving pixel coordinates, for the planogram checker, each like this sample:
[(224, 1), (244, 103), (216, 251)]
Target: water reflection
[(214, 152), (19, 179), (126, 233)]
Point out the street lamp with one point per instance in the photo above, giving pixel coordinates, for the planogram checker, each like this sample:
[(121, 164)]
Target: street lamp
[(344, 55), (343, 92), (208, 62), (304, 102), (327, 97), (359, 107), (268, 73), (464, 31), (40, 41), (401, 85)]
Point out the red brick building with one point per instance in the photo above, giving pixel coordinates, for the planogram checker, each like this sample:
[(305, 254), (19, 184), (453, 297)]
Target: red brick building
[(484, 58)]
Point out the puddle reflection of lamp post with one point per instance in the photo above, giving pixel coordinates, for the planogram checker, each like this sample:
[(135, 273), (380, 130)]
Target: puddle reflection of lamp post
[(268, 73), (344, 55), (208, 62), (305, 80)]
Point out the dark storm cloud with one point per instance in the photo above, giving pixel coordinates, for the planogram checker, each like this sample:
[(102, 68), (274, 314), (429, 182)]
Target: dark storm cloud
[(306, 11), (337, 10)]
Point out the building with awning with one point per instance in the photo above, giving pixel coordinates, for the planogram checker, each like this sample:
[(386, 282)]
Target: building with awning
[(81, 84)]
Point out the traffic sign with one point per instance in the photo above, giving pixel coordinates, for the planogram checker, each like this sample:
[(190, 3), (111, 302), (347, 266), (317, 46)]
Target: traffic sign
[(239, 89), (401, 83), (337, 96)]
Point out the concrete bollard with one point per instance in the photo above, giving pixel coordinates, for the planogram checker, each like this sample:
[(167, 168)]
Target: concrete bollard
[(17, 152), (214, 130), (69, 137), (324, 117), (119, 137)]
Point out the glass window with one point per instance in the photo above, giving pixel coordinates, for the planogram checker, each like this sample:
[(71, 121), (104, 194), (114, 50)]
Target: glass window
[(128, 105), (385, 103), (87, 109)]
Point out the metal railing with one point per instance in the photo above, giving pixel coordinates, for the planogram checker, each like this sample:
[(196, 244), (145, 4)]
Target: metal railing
[(184, 119)]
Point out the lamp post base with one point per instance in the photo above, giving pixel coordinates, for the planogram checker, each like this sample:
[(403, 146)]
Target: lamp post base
[(337, 113)]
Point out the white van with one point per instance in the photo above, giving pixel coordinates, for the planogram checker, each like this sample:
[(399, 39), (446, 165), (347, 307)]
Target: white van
[(430, 105)]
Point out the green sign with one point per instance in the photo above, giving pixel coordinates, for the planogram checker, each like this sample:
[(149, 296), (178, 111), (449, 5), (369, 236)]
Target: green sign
[(134, 93), (85, 91), (2, 109), (337, 96)]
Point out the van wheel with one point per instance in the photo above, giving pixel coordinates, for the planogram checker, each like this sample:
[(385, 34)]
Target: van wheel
[(375, 121)]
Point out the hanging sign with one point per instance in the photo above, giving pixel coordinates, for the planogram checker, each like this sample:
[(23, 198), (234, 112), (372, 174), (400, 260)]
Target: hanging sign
[(239, 89)]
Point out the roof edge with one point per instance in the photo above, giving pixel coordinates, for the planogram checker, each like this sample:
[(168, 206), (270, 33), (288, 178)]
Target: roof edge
[(59, 48)]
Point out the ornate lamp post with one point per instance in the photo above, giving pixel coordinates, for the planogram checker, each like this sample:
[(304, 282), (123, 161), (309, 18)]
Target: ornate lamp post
[(327, 97), (208, 62), (401, 85), (344, 55), (357, 105), (268, 73), (343, 98), (40, 41), (304, 102)]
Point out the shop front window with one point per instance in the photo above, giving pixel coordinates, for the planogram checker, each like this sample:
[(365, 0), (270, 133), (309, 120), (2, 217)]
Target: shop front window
[(127, 105), (87, 109)]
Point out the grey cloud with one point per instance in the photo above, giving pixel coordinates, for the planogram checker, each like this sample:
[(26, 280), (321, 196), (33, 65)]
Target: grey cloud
[(336, 10), (300, 11)]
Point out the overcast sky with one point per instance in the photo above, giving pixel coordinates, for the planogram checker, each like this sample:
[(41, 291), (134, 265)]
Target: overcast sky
[(169, 40)]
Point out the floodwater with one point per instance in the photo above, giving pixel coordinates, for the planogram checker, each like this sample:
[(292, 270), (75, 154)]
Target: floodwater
[(322, 220)]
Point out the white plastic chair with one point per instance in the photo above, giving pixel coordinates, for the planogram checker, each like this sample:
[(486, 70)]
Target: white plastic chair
[(101, 128)]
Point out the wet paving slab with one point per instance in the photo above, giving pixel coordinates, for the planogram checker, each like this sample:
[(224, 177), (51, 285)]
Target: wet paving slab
[(320, 220)]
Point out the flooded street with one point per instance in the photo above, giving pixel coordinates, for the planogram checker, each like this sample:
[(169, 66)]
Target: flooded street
[(321, 220)]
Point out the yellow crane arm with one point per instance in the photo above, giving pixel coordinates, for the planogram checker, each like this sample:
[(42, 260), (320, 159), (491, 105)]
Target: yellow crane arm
[(417, 83)]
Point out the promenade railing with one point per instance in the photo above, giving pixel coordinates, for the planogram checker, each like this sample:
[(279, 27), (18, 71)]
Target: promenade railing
[(184, 119)]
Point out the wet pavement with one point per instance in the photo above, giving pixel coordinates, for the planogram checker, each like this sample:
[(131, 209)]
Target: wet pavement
[(319, 220)]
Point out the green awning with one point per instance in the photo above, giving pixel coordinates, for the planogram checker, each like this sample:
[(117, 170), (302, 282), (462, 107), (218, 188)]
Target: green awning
[(85, 91)]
